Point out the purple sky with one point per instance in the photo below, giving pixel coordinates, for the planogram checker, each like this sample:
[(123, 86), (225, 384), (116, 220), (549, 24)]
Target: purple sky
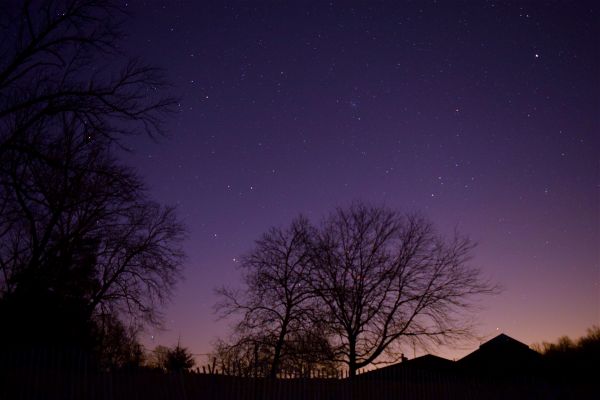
[(482, 115)]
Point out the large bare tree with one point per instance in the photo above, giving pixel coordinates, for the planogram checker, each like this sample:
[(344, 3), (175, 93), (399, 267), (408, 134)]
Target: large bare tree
[(385, 278), (80, 229), (275, 302), (80, 240)]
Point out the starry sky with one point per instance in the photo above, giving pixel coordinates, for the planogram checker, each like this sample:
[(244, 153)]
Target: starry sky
[(483, 116)]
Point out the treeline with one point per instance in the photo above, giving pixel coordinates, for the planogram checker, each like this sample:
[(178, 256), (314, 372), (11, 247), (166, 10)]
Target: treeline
[(572, 359)]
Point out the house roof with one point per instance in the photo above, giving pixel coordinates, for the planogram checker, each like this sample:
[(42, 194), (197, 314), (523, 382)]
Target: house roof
[(501, 353), (428, 362)]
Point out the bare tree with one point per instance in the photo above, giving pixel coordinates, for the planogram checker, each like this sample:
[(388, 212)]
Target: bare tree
[(120, 345), (81, 230), (53, 64), (385, 278), (80, 241), (276, 299)]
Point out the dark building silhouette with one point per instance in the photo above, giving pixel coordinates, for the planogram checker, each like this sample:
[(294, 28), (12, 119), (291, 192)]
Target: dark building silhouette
[(501, 356), (424, 364)]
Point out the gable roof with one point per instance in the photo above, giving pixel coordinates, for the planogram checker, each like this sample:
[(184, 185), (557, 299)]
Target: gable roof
[(503, 341), (502, 353), (428, 362)]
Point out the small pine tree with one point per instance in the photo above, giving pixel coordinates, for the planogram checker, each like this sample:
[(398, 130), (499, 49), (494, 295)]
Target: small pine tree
[(178, 359)]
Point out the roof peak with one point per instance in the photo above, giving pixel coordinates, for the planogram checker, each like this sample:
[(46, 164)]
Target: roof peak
[(502, 339)]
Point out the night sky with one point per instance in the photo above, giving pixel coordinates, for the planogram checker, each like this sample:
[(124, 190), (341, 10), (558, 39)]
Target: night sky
[(483, 116)]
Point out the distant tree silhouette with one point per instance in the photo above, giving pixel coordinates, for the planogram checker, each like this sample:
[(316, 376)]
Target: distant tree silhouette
[(119, 344), (179, 359), (276, 300), (310, 351), (303, 353), (80, 241), (156, 358), (385, 278), (172, 359), (573, 359), (590, 343), (249, 356)]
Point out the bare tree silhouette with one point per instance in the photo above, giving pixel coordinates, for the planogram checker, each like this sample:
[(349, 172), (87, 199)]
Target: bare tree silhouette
[(53, 65), (81, 229), (80, 241), (385, 278), (276, 301)]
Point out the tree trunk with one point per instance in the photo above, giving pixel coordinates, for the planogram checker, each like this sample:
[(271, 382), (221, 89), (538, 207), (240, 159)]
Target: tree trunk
[(278, 347), (352, 358)]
